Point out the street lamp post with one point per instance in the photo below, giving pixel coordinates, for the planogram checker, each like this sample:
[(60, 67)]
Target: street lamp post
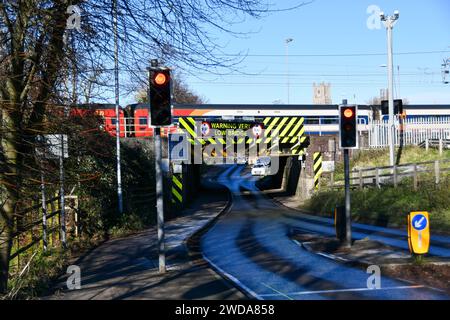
[(389, 22), (116, 91), (287, 41)]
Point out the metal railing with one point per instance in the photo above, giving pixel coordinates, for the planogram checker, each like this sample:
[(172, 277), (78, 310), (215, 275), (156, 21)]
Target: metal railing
[(29, 234), (409, 131)]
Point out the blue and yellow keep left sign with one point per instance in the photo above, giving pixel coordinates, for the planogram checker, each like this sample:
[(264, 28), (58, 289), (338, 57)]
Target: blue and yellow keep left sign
[(419, 232)]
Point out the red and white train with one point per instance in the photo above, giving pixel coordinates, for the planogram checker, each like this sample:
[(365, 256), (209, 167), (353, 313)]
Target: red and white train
[(134, 119)]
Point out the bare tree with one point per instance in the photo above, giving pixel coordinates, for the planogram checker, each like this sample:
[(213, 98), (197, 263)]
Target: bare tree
[(37, 49)]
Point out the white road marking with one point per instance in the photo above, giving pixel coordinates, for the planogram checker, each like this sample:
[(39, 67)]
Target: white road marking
[(341, 290), (234, 279), (329, 256), (279, 293)]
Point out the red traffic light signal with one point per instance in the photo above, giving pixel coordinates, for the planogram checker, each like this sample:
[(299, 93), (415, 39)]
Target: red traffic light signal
[(348, 138), (349, 112), (160, 97), (160, 78)]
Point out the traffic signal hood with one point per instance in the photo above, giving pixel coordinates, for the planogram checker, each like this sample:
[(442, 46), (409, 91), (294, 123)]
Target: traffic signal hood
[(348, 127), (398, 107), (160, 97)]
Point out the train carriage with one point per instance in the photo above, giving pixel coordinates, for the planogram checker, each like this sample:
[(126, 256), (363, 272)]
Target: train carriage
[(106, 111)]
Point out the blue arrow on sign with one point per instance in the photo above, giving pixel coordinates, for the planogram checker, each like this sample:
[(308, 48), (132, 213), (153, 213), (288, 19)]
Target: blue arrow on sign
[(419, 222)]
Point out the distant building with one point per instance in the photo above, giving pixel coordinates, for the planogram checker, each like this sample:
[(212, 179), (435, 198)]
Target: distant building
[(321, 93)]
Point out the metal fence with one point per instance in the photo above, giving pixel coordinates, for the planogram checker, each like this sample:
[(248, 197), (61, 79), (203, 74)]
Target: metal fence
[(360, 178), (30, 225), (409, 131)]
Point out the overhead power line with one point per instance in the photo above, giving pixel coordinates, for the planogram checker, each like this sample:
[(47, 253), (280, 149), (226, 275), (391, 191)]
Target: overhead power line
[(357, 54)]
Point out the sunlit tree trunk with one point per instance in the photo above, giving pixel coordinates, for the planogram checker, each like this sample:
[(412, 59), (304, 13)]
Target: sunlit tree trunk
[(10, 194)]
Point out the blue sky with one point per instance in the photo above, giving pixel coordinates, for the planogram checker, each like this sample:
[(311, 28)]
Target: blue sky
[(329, 28)]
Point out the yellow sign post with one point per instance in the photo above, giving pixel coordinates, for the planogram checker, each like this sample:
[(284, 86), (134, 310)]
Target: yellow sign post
[(419, 232)]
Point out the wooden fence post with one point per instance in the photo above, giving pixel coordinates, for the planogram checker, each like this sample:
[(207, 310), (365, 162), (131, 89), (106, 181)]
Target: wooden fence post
[(361, 181), (377, 177), (415, 184), (436, 171), (395, 176)]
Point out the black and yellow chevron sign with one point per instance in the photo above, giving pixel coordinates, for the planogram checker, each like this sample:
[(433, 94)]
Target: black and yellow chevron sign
[(317, 166), (288, 129), (300, 148), (187, 124), (177, 188)]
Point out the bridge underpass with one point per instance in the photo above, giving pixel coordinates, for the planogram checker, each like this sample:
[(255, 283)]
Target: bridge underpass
[(236, 142)]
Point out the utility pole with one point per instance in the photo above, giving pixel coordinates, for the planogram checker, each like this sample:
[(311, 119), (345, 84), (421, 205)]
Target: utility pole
[(74, 70), (44, 208), (116, 79), (62, 204), (389, 22), (287, 41), (41, 145)]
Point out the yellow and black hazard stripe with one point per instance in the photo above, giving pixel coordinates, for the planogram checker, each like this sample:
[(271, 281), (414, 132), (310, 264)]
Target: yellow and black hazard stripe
[(177, 188), (187, 125), (288, 129), (317, 166), (300, 148)]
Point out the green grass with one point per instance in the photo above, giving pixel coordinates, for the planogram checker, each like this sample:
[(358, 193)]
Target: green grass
[(409, 154), (389, 206), (44, 268)]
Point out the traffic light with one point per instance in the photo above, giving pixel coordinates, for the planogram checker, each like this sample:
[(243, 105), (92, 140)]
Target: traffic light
[(398, 107), (347, 127), (160, 97)]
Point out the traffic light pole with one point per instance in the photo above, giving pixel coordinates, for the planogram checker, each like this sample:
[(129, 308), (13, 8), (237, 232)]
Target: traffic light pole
[(159, 201), (348, 216)]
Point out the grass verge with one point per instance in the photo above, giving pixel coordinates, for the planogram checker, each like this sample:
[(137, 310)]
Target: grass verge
[(389, 206), (36, 277)]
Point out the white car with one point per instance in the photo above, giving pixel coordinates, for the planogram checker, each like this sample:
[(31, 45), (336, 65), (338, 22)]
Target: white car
[(261, 166), (260, 169)]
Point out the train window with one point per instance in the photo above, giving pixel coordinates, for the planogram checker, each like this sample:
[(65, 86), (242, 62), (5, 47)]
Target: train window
[(329, 121), (113, 121), (143, 121), (311, 120)]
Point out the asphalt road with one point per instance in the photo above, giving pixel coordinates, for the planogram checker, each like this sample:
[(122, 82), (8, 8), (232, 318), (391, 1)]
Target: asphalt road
[(250, 246), (127, 268)]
